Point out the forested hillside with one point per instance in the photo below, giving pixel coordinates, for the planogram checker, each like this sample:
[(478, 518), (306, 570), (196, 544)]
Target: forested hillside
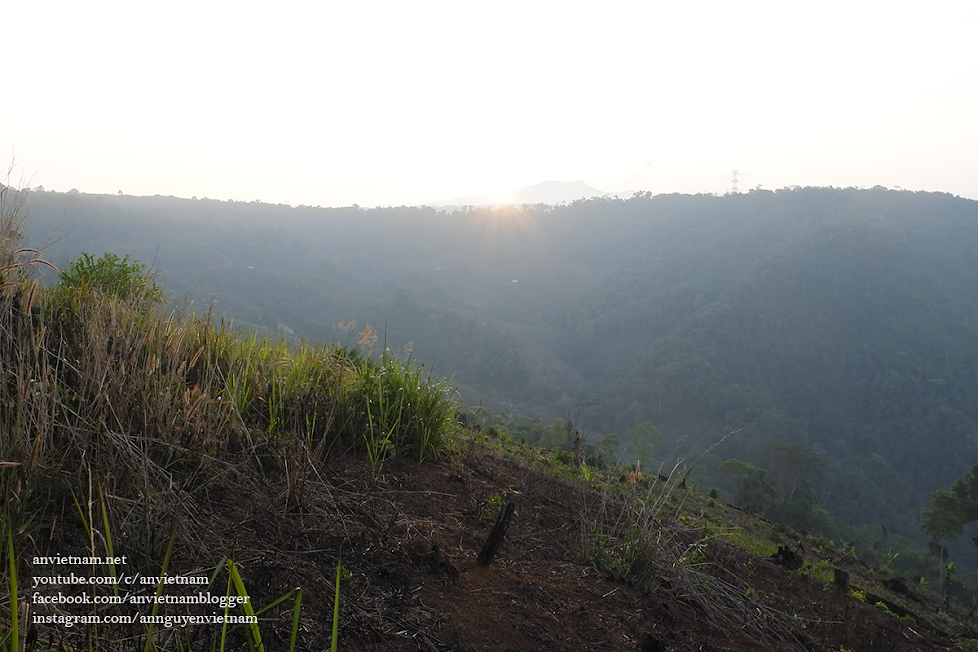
[(838, 323)]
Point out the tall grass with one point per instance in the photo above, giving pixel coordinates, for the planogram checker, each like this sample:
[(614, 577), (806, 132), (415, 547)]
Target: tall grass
[(113, 390), (646, 541), (405, 412)]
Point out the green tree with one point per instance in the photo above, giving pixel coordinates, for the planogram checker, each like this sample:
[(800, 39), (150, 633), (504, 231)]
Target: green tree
[(749, 485), (950, 510), (640, 438), (609, 448), (791, 467), (559, 435)]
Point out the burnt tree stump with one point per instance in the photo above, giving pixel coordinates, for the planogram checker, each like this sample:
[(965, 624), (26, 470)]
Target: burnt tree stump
[(840, 579), (491, 546)]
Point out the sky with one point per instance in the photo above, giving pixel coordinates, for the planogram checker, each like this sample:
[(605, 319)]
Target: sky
[(401, 103)]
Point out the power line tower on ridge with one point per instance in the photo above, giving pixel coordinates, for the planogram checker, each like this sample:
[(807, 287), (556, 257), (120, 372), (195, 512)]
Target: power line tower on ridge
[(734, 190)]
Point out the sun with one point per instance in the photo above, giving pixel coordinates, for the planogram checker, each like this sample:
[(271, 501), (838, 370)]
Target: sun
[(507, 227)]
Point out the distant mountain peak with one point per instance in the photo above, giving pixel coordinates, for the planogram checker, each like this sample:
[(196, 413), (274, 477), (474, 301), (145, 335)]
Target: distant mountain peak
[(547, 192)]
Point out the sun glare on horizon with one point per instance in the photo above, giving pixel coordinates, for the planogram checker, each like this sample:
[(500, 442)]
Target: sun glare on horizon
[(404, 107)]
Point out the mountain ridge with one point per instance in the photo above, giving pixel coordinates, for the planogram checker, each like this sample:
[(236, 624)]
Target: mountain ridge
[(546, 192), (841, 320)]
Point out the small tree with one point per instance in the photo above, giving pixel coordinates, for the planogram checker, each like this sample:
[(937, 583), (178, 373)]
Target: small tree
[(792, 467), (640, 438), (750, 487), (609, 448), (950, 510), (559, 435)]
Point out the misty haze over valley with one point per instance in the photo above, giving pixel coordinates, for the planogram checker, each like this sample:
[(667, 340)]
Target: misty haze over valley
[(839, 320)]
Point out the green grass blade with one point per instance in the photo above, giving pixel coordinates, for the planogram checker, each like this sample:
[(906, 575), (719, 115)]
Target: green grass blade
[(81, 512), (227, 594), (246, 607), (336, 609), (149, 646), (217, 569), (295, 619), (279, 600)]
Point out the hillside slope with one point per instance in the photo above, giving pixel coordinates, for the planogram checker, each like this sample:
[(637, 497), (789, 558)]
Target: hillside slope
[(842, 320), (157, 468), (408, 539)]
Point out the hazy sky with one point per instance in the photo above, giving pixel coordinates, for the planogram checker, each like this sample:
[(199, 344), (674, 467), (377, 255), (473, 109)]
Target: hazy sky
[(334, 103)]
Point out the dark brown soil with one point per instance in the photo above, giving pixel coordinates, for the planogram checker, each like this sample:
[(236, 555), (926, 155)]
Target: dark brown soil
[(409, 539), (414, 584)]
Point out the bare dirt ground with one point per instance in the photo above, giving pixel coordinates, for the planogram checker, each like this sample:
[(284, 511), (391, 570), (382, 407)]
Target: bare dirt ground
[(410, 538), (408, 541)]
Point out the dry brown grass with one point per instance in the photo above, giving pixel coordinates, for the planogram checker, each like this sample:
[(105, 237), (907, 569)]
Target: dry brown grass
[(116, 402), (646, 541)]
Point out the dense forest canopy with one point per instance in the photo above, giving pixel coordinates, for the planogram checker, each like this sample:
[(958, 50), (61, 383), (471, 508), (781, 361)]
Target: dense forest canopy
[(842, 321)]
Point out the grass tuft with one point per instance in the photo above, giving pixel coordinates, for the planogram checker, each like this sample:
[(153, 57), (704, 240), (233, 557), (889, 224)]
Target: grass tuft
[(108, 395)]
